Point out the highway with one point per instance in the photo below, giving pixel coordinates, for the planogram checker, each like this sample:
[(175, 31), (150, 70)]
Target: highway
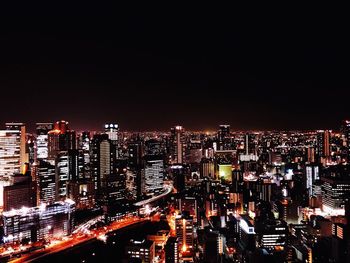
[(74, 240), (168, 188)]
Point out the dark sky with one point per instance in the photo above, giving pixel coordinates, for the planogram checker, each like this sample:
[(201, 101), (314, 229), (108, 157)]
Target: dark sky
[(253, 69)]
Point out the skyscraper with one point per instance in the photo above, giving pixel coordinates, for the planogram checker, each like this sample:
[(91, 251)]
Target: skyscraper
[(177, 144), (153, 176), (46, 182), (103, 164), (184, 233), (323, 143), (42, 140), (10, 152)]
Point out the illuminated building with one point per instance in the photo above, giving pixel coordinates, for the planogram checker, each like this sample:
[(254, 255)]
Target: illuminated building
[(46, 182), (144, 250), (153, 176), (21, 194), (130, 184), (207, 168), (246, 232), (312, 174), (10, 152), (177, 144), (311, 154), (194, 152), (223, 135), (346, 133), (153, 147), (224, 171), (323, 143), (62, 174), (171, 251), (184, 233), (84, 146), (61, 126), (84, 141), (271, 234), (265, 190), (61, 139), (21, 130), (102, 163), (38, 223), (112, 129), (334, 193), (42, 140)]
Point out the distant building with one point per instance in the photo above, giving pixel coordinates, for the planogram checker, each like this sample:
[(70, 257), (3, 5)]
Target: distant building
[(177, 144)]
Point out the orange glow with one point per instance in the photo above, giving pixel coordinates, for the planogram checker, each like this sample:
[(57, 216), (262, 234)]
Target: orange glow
[(55, 131), (184, 248)]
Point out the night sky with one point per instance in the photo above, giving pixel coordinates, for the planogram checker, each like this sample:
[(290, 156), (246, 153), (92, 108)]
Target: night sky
[(150, 71)]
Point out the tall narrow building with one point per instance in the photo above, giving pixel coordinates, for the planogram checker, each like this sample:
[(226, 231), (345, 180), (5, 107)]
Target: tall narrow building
[(177, 144)]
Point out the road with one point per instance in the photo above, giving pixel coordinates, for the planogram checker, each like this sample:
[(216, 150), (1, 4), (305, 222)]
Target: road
[(74, 240), (82, 235)]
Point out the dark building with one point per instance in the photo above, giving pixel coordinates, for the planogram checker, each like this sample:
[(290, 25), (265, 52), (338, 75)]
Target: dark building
[(171, 250), (46, 182), (21, 194)]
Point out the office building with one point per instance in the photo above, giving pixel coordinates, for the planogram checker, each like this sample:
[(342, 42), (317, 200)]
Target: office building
[(185, 234), (46, 182), (171, 251), (22, 193), (42, 140), (39, 223), (153, 176), (177, 141), (144, 250)]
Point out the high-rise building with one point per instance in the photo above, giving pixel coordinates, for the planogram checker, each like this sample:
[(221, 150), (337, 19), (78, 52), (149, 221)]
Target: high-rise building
[(223, 137), (62, 174), (112, 129), (153, 176), (46, 182), (10, 152), (42, 140), (21, 129), (171, 251), (323, 143), (312, 174), (184, 233), (177, 144), (61, 139), (103, 164)]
